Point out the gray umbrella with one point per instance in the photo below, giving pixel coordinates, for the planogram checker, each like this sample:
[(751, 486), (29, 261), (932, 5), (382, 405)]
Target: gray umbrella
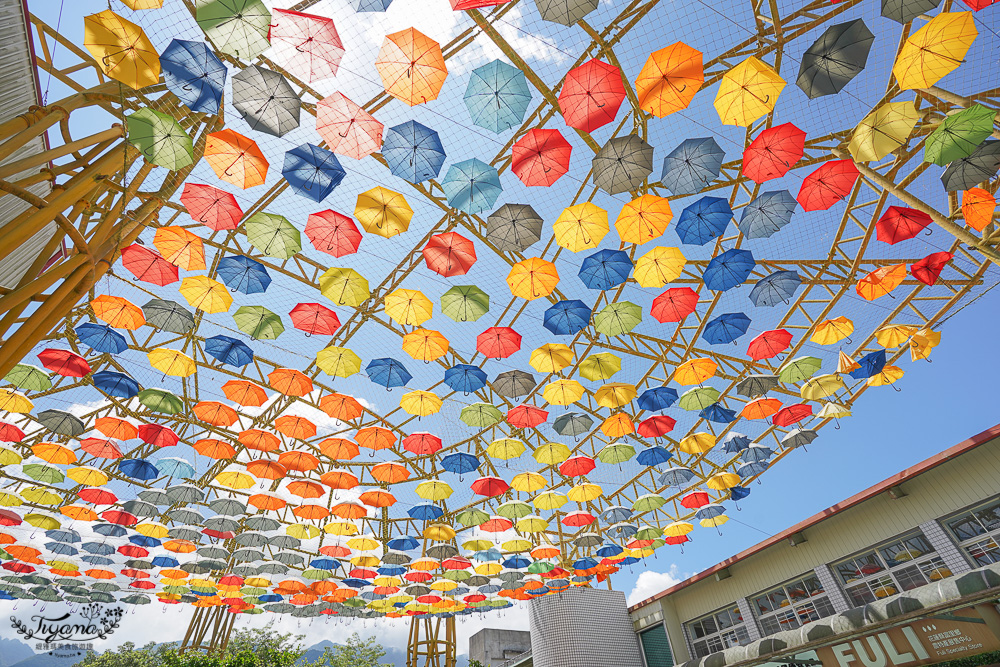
[(159, 497), (140, 508), (61, 422), (289, 557), (135, 599), (623, 164), (623, 531), (904, 11), (105, 586), (587, 540), (266, 101), (835, 58), (184, 533), (477, 580), (213, 552), (442, 551), (396, 558), (139, 563), (566, 12), (272, 567), (229, 506), (677, 476), (510, 575), (572, 424), (248, 555), (262, 523), (185, 515), (223, 524), (168, 316), (185, 493), (245, 570), (968, 172), (417, 590), (285, 542), (513, 227), (756, 385), (798, 438), (514, 383)]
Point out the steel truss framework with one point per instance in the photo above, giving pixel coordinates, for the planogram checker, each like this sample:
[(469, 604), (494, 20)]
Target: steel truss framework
[(101, 203)]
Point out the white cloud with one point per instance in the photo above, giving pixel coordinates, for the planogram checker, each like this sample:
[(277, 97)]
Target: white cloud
[(650, 583)]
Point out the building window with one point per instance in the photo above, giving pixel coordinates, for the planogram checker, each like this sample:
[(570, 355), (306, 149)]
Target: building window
[(717, 631), (791, 605), (656, 647), (894, 567), (978, 532)]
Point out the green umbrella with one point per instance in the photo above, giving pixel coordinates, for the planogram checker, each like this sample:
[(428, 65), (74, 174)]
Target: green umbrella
[(236, 27), (472, 517), (617, 452), (648, 532), (29, 378), (465, 303), (457, 575), (272, 235), (481, 415), (799, 369), (514, 509), (541, 567), (618, 318), (647, 502), (160, 139), (258, 322), (698, 398), (161, 400), (316, 574), (176, 590), (43, 472), (600, 366), (959, 134)]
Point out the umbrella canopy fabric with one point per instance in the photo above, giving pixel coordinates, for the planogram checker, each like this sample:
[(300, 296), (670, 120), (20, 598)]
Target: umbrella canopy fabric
[(465, 303), (307, 46), (497, 96), (229, 350), (236, 27), (236, 159), (258, 322), (346, 127), (413, 152), (968, 172), (643, 219), (959, 134), (383, 212), (312, 172), (513, 227), (726, 328), (773, 152), (833, 60), (904, 11), (101, 338), (566, 12), (883, 130), (776, 287), (747, 91), (581, 227), (605, 269), (767, 214), (193, 73), (622, 164), (168, 316), (932, 52), (148, 265), (273, 235), (669, 79), (692, 165), (540, 157), (121, 48), (411, 66), (591, 95), (830, 183), (266, 100), (729, 269), (211, 206), (472, 186), (160, 139), (242, 274), (566, 318), (703, 220)]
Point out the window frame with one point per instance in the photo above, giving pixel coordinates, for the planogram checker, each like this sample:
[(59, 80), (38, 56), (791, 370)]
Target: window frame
[(794, 608), (719, 633), (965, 545)]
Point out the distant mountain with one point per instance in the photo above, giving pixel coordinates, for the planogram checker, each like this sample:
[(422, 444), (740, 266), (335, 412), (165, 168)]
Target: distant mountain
[(50, 660), (13, 651), (393, 656)]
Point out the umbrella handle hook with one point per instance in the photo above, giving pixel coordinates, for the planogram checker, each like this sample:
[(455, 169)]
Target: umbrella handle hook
[(897, 389)]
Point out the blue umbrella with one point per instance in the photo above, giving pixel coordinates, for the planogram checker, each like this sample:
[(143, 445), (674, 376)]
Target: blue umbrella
[(653, 456), (426, 512), (194, 74), (766, 214), (779, 286), (413, 152), (270, 597), (756, 454), (396, 571), (229, 350), (704, 220), (718, 414), (313, 172), (116, 384), (609, 551), (735, 442), (403, 543), (751, 469), (584, 563), (497, 96), (605, 269), (370, 5), (726, 328), (516, 562), (460, 463), (729, 269), (99, 548), (144, 541), (709, 511), (692, 165), (630, 560), (175, 467), (109, 529), (465, 378), (242, 274), (491, 554), (101, 338), (97, 560), (566, 318), (165, 561), (738, 493), (138, 469), (676, 477), (657, 398), (62, 549), (471, 186), (871, 364), (324, 564), (387, 372), (67, 535)]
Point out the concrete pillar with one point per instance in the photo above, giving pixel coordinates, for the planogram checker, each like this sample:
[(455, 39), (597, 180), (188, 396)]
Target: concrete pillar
[(832, 588), (945, 547), (749, 618)]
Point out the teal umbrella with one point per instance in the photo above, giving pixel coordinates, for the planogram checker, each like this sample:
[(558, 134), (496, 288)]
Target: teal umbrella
[(497, 96), (160, 139)]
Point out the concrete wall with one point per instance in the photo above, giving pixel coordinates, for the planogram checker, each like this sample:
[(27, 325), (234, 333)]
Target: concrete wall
[(583, 627), (492, 646)]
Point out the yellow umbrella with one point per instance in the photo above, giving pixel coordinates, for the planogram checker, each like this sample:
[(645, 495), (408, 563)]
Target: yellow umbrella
[(10, 499), (677, 529), (14, 401), (551, 358), (888, 375), (235, 480), (365, 561), (549, 500), (922, 343), (41, 496), (532, 278), (477, 544), (563, 392), (152, 529), (345, 287), (420, 403), (584, 493), (87, 476), (722, 481), (444, 585), (894, 335), (425, 345), (845, 364), (42, 521), (206, 294), (338, 361), (9, 457), (551, 453), (489, 569), (833, 411), (697, 443), (342, 528), (408, 306), (747, 92), (883, 130), (600, 366), (527, 482), (121, 49), (433, 489), (517, 546), (615, 394), (532, 524), (829, 332), (821, 386), (143, 4), (581, 227), (659, 266), (695, 371), (171, 362), (935, 50), (504, 449), (180, 247), (302, 531), (439, 531), (644, 219), (364, 543), (383, 212), (714, 522)]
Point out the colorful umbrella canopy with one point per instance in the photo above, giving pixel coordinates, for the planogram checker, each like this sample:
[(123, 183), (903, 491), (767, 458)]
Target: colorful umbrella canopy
[(881, 281), (266, 101), (305, 45), (258, 322), (928, 269), (622, 164), (729, 269), (968, 172), (692, 165), (194, 74), (833, 60), (122, 50), (206, 294), (411, 66), (236, 159), (540, 157), (148, 265), (312, 172), (497, 96), (347, 128), (726, 328), (959, 134), (236, 27), (767, 214), (605, 269), (273, 235), (778, 286), (566, 318), (591, 95), (747, 91), (883, 130), (830, 183), (936, 49), (333, 233), (408, 307), (465, 303), (168, 316), (904, 11), (472, 186), (581, 227), (214, 208), (773, 152), (532, 278), (383, 212), (160, 139), (566, 12), (617, 318), (513, 227), (674, 304), (449, 254), (413, 152), (899, 223), (669, 80), (659, 266), (643, 219), (703, 220), (180, 247), (345, 287)]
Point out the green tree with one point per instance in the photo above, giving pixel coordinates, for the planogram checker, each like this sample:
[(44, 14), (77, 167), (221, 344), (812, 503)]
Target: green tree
[(246, 648), (356, 652), (128, 655)]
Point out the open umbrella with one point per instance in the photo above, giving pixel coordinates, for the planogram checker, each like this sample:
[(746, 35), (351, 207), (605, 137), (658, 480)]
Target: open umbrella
[(465, 378), (236, 27), (387, 372), (936, 49), (581, 227), (881, 281), (449, 254), (767, 214), (266, 100), (617, 318), (899, 223), (148, 265), (160, 139), (928, 269), (168, 316), (882, 131), (904, 11), (622, 164), (497, 96), (513, 227), (122, 50), (703, 220), (212, 207), (833, 60), (959, 134), (605, 269), (778, 286), (532, 278), (830, 183), (314, 319), (513, 383), (659, 266), (540, 157), (194, 74), (773, 152), (101, 338), (968, 172), (180, 247), (591, 95), (242, 274), (747, 91), (728, 269), (333, 233), (383, 212), (726, 328), (692, 165), (465, 303), (229, 350), (411, 66), (674, 304), (409, 307), (472, 186), (978, 206), (643, 219), (312, 172), (307, 46), (566, 318), (258, 322), (769, 344), (273, 235), (171, 362), (236, 159), (413, 152), (346, 127), (669, 79), (370, 5), (566, 12), (206, 294)]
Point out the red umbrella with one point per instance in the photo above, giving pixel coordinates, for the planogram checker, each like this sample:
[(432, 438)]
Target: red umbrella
[(461, 5), (422, 444), (695, 499), (333, 233), (827, 185), (498, 342), (156, 434), (347, 128), (306, 45), (591, 95), (9, 518), (791, 414), (656, 426), (219, 534), (148, 265), (576, 466), (212, 207), (526, 416), (769, 344), (540, 157), (120, 517), (449, 254), (101, 448), (928, 269), (773, 152), (64, 362), (314, 318), (680, 539), (578, 518), (674, 304), (489, 487), (20, 568), (899, 223), (10, 433), (133, 551), (98, 496)]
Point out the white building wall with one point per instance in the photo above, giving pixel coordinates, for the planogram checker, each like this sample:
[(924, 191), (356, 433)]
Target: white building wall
[(583, 627)]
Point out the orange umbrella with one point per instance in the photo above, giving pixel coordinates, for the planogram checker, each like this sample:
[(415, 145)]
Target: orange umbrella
[(977, 208), (264, 469), (669, 79), (180, 247), (339, 449), (118, 312), (881, 281), (760, 408), (390, 472), (236, 159), (79, 513), (312, 513), (341, 406), (116, 428), (298, 460), (245, 393), (214, 413), (266, 501), (214, 449), (412, 66), (532, 278), (54, 453), (349, 510), (617, 426), (259, 440), (375, 438), (295, 427), (290, 382), (305, 488), (377, 498), (339, 479)]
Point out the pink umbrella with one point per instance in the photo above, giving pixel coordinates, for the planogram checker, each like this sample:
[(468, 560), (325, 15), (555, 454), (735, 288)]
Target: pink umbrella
[(347, 128), (306, 45), (333, 233)]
